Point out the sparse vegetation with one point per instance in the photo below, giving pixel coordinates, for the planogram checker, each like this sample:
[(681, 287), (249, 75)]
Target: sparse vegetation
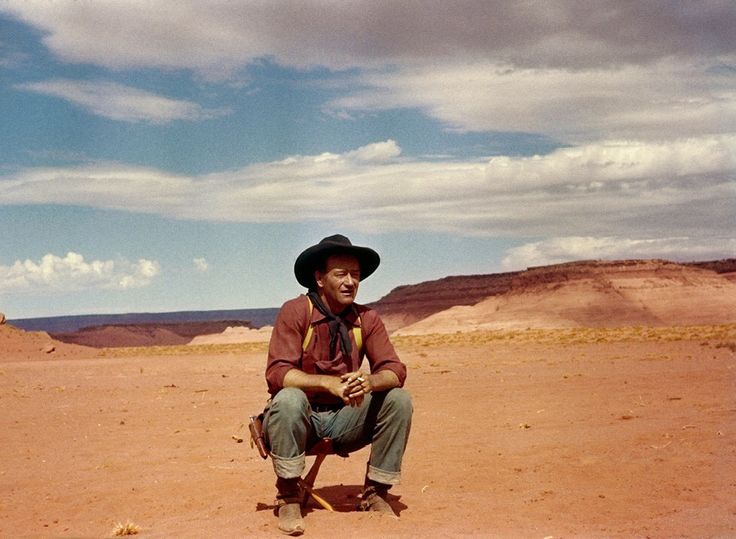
[(724, 334), (127, 528), (185, 350), (730, 345)]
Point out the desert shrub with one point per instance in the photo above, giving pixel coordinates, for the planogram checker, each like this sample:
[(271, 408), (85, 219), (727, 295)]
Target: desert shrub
[(127, 528), (729, 345)]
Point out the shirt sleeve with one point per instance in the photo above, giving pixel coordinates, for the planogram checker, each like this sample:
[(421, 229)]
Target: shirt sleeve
[(378, 348), (285, 346)]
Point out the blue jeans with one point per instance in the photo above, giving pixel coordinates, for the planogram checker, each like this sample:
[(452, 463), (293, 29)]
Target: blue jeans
[(383, 420)]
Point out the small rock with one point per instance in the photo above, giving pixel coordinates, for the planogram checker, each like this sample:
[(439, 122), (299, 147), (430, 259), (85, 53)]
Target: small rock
[(49, 348), (2, 318)]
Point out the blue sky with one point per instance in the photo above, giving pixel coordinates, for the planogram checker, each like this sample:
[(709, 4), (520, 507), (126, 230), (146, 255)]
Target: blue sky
[(159, 156)]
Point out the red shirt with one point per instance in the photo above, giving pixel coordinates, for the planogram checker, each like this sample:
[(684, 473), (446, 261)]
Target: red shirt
[(285, 348)]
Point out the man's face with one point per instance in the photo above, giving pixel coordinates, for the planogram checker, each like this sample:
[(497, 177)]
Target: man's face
[(338, 285)]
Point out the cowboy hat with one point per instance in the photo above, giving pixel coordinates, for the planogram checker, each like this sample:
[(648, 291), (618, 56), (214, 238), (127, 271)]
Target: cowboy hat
[(311, 258)]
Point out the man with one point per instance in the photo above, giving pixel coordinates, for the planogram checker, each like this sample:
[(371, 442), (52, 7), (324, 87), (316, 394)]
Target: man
[(317, 384)]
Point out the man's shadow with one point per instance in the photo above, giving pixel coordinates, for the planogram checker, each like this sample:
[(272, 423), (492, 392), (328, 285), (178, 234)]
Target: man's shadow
[(342, 498)]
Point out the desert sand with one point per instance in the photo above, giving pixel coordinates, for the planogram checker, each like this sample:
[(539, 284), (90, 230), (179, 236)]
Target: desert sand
[(545, 433)]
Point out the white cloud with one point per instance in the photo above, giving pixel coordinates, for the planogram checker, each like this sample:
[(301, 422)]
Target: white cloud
[(570, 34), (631, 189), (566, 249), (656, 100), (619, 161), (561, 67), (201, 265), (73, 272), (120, 102), (376, 153)]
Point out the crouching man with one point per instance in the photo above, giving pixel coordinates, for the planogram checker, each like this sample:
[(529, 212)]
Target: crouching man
[(318, 388)]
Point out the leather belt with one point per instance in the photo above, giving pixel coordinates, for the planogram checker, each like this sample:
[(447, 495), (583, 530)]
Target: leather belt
[(321, 407)]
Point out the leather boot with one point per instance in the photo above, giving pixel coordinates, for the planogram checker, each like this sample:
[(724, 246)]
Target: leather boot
[(374, 499), (289, 508)]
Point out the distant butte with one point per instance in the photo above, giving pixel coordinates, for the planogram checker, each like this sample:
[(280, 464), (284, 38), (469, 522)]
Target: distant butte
[(593, 293), (596, 294), (147, 334)]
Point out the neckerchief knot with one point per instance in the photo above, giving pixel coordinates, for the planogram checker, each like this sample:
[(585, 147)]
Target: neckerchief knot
[(338, 329)]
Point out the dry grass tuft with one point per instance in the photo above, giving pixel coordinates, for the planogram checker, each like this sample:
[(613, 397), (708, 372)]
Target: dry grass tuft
[(129, 528), (725, 333), (185, 349)]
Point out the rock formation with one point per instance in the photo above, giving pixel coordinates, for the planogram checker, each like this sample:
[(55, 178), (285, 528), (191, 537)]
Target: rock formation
[(407, 304), (153, 334), (234, 335), (19, 345), (596, 294)]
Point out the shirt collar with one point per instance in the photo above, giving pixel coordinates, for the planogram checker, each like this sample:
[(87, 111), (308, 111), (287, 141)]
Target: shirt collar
[(351, 318)]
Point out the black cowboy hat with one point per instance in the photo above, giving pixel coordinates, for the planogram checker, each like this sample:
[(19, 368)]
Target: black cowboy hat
[(311, 258)]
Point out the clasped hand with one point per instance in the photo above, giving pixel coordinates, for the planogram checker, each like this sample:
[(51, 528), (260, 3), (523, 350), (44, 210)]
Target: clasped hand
[(353, 388)]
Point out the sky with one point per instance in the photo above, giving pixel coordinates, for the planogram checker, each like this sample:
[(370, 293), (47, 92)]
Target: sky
[(178, 155)]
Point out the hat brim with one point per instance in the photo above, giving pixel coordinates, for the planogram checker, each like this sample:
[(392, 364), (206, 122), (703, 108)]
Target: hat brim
[(309, 260)]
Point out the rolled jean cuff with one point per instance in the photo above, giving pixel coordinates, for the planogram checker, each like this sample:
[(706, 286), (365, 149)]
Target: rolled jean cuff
[(288, 468), (382, 476)]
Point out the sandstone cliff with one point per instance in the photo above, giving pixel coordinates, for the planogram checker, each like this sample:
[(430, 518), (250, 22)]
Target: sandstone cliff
[(407, 304), (596, 294)]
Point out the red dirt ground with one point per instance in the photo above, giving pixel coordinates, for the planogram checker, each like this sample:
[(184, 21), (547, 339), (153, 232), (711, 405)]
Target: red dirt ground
[(533, 435)]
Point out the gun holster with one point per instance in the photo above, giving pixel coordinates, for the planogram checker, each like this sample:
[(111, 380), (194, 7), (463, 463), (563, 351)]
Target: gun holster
[(256, 435)]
